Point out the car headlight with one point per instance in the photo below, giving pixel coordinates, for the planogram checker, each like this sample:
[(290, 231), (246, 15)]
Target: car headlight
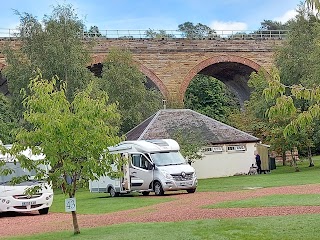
[(166, 174)]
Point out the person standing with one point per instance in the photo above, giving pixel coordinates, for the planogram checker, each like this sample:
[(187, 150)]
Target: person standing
[(258, 162)]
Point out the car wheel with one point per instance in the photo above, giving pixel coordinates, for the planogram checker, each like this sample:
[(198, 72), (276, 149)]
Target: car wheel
[(43, 211), (191, 190)]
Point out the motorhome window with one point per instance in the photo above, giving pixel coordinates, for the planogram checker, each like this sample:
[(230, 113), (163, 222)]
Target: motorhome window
[(136, 160), (17, 172), (167, 158), (144, 162), (140, 161)]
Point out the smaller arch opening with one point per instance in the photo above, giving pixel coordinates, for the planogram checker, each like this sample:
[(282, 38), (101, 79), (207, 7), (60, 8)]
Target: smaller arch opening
[(234, 75)]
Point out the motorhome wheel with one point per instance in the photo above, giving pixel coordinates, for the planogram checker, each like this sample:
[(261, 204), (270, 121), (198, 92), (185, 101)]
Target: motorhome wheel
[(158, 190), (113, 193)]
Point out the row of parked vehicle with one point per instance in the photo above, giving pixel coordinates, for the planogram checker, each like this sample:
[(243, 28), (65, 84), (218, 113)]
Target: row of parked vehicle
[(149, 166)]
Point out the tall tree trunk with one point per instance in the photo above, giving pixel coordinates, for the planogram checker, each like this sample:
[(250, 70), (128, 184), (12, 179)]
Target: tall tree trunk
[(72, 194), (75, 223), (284, 158), (311, 164), (294, 160)]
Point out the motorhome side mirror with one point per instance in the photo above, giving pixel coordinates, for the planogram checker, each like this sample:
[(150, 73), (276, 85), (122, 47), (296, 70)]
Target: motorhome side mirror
[(151, 166)]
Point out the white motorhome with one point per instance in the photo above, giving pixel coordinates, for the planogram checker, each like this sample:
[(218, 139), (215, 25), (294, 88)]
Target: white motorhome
[(153, 166), (13, 197)]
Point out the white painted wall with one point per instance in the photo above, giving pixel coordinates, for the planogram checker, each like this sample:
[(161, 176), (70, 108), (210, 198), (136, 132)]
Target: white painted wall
[(225, 163)]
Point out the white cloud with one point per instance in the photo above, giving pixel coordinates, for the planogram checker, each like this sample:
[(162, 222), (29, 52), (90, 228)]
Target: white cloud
[(228, 27), (286, 17)]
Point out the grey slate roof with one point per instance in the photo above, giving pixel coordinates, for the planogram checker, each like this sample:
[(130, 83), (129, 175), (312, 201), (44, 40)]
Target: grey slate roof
[(165, 124)]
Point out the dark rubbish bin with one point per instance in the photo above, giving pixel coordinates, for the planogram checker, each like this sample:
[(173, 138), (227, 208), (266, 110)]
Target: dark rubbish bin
[(272, 163)]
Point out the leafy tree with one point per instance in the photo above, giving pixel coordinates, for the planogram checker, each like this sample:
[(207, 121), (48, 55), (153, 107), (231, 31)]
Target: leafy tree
[(124, 83), (198, 31), (210, 97), (269, 129), (297, 58), (8, 121), (190, 143), (273, 25), (150, 33), (73, 136), (297, 122), (93, 32), (54, 47), (271, 28), (313, 4), (252, 118), (298, 64)]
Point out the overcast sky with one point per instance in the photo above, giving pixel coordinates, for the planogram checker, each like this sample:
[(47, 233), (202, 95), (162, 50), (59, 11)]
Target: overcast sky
[(159, 14)]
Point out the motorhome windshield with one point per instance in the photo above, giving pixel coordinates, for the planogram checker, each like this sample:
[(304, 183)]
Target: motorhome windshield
[(167, 158), (18, 171)]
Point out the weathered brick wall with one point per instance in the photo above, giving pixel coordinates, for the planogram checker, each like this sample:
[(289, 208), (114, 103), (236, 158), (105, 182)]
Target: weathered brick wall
[(172, 63)]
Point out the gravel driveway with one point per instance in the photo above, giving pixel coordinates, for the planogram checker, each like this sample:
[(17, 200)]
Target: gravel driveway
[(185, 207)]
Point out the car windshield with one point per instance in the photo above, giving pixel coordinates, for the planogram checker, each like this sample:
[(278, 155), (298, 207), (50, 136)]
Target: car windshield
[(18, 171), (167, 158)]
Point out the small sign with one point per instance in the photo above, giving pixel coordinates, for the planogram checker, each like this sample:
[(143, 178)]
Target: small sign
[(70, 204)]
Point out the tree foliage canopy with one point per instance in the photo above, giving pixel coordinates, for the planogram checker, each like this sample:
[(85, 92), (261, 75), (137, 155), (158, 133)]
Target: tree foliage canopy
[(54, 46), (73, 136), (210, 97), (150, 33), (125, 85), (273, 25), (8, 120), (198, 31)]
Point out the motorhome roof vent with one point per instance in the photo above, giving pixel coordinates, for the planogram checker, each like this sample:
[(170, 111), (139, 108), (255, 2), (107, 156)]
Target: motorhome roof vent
[(159, 142)]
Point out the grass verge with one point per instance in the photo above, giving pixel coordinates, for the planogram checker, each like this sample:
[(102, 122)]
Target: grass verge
[(272, 201), (100, 203), (282, 176), (262, 228)]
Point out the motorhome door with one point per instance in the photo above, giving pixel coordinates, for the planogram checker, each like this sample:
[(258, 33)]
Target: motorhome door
[(141, 172)]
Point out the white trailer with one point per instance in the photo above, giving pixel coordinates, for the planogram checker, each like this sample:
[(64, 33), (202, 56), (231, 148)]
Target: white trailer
[(13, 198), (152, 166)]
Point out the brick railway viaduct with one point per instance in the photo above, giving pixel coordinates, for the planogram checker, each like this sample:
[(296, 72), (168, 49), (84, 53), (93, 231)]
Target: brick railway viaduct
[(171, 64)]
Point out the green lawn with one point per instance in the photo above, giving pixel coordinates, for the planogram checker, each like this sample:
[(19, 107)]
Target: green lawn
[(272, 201), (99, 203), (263, 228), (282, 176)]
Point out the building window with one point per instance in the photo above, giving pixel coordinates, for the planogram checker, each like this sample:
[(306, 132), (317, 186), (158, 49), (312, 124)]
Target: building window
[(236, 148), (213, 149)]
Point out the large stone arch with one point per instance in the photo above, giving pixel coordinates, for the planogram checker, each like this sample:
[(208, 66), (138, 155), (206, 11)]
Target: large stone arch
[(154, 78), (211, 61), (96, 59)]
